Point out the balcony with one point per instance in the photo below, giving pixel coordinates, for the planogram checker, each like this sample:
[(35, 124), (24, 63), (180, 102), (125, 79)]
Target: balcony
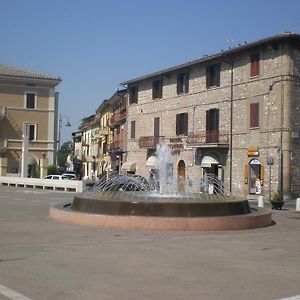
[(212, 138), (102, 132), (117, 119), (150, 141)]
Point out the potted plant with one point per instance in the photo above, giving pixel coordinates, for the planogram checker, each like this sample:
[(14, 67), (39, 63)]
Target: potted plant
[(277, 201)]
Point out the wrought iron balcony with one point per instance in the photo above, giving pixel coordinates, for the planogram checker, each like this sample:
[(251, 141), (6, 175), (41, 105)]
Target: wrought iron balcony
[(204, 138), (150, 141)]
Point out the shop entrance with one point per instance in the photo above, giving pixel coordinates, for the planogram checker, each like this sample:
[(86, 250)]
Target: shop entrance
[(181, 176), (254, 176)]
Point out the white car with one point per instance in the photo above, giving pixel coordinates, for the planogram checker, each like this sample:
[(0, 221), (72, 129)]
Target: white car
[(69, 176), (60, 177)]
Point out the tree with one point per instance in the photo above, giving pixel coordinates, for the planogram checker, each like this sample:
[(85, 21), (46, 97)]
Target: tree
[(63, 153)]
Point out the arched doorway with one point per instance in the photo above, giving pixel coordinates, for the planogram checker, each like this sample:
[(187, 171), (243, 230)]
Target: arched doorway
[(181, 176), (254, 175), (32, 167)]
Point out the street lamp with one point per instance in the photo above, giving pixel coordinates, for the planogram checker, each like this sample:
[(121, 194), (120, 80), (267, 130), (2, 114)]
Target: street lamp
[(68, 124)]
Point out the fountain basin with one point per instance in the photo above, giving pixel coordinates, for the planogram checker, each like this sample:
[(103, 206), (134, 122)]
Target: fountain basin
[(154, 205), (150, 212)]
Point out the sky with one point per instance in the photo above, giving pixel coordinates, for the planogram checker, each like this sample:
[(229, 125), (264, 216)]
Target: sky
[(93, 46)]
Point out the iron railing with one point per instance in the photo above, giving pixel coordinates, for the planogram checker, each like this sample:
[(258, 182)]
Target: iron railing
[(208, 137), (150, 141)]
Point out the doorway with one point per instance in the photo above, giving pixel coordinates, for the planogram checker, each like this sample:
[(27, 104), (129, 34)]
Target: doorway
[(181, 176), (254, 177)]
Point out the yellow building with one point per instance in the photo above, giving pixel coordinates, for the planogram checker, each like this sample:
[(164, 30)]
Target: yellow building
[(28, 103)]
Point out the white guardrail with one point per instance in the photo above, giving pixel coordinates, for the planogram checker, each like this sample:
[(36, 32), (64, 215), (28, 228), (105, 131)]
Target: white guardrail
[(46, 184)]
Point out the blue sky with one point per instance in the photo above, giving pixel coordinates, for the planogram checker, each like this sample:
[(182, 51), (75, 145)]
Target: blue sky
[(95, 45)]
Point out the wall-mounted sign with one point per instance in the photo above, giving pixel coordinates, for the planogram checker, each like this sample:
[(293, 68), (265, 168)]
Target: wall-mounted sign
[(253, 151)]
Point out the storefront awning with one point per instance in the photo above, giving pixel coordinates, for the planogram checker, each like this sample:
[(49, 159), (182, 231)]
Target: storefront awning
[(128, 166), (254, 162), (152, 162), (207, 161)]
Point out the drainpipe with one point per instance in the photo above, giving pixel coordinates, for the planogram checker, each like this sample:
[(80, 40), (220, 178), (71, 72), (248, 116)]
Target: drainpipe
[(231, 125)]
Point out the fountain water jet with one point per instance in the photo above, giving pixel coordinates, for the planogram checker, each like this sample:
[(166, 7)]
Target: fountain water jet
[(130, 202)]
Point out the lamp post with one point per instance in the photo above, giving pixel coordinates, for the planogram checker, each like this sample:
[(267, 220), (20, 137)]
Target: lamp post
[(60, 127)]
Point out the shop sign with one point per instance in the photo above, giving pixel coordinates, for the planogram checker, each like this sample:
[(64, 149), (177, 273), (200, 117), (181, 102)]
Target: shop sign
[(252, 151)]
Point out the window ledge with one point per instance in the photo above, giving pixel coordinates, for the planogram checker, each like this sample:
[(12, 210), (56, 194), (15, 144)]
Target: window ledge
[(254, 77)]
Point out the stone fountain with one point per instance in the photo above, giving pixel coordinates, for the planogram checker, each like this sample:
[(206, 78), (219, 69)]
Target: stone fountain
[(131, 202)]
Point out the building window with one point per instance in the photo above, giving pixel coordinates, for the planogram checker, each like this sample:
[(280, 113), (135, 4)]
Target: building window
[(30, 100), (157, 87), (182, 124), (254, 115), (132, 130), (30, 130), (212, 125), (182, 83), (133, 94), (213, 75), (254, 61)]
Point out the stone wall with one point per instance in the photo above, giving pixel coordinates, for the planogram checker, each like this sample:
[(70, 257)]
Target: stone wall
[(271, 89)]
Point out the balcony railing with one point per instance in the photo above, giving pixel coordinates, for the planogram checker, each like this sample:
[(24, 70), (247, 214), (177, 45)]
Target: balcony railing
[(117, 118), (150, 141), (208, 137), (102, 132)]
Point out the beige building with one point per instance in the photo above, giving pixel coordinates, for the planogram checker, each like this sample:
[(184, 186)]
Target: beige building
[(92, 140), (28, 103), (234, 114)]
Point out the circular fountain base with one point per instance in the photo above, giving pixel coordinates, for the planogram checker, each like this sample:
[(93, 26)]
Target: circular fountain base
[(126, 211)]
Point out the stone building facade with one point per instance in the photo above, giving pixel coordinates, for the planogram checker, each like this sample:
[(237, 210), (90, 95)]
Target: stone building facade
[(234, 114)]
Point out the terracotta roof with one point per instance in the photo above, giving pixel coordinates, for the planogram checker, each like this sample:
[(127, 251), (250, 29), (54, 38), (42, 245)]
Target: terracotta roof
[(10, 71), (279, 37)]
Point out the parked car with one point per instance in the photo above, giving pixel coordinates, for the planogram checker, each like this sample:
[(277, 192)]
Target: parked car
[(69, 176), (60, 177)]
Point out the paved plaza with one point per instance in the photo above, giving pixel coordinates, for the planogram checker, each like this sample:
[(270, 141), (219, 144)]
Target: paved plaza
[(44, 259)]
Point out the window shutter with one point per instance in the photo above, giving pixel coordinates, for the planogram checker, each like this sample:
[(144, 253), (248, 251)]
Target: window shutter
[(254, 71), (179, 84), (246, 174), (160, 84), (217, 119), (156, 127), (208, 120), (132, 130), (262, 175), (177, 124), (208, 77), (254, 115), (30, 100), (186, 85), (217, 74), (185, 123)]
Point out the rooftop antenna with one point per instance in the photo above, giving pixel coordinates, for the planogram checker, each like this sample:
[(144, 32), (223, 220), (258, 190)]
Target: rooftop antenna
[(230, 41)]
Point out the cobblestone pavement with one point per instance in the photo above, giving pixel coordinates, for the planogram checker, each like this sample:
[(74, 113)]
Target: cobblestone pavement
[(43, 259)]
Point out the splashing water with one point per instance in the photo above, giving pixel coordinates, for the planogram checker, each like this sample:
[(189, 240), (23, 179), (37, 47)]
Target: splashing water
[(166, 182)]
